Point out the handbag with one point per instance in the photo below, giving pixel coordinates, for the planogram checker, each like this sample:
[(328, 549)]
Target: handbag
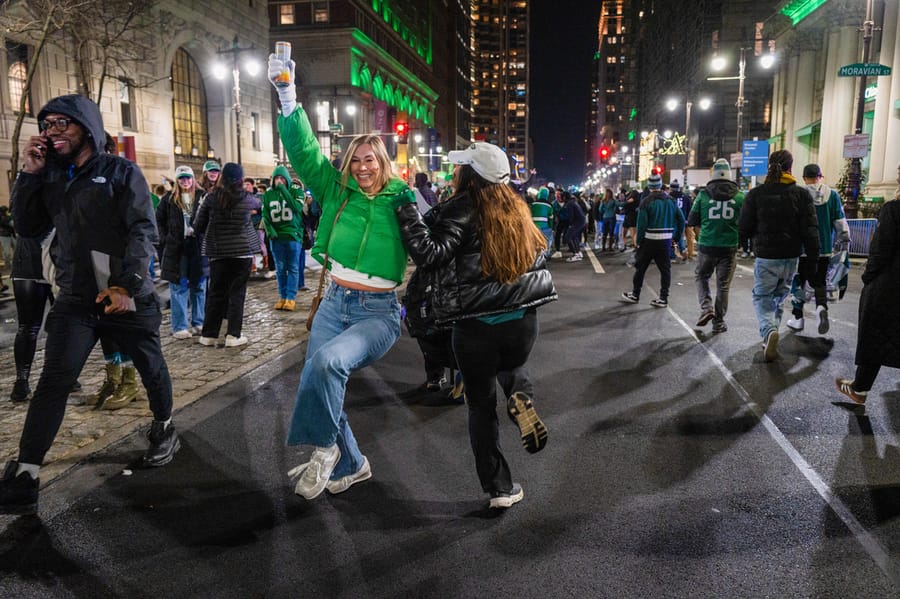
[(314, 305)]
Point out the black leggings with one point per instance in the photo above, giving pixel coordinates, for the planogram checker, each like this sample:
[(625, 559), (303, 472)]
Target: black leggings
[(31, 301)]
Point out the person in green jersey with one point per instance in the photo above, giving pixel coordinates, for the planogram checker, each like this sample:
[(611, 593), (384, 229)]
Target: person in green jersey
[(716, 211), (282, 217)]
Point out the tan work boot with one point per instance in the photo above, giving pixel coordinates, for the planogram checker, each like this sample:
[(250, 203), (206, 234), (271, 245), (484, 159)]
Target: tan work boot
[(109, 386), (289, 305), (127, 391)]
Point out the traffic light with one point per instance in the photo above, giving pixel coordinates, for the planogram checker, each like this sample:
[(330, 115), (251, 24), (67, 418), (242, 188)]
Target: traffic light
[(604, 154), (401, 129), (658, 169)]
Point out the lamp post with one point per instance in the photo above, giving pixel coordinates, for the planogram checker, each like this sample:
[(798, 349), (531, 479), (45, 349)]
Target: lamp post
[(672, 104), (252, 68), (854, 175)]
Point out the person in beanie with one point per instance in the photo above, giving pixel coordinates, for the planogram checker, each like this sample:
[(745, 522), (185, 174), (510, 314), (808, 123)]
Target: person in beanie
[(542, 216), (780, 217), (210, 176), (830, 215), (282, 217), (230, 242), (659, 223), (716, 212), (183, 264), (101, 271)]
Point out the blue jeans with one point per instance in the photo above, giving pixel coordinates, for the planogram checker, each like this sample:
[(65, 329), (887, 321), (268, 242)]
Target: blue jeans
[(180, 294), (287, 266), (548, 235), (771, 282), (351, 330)]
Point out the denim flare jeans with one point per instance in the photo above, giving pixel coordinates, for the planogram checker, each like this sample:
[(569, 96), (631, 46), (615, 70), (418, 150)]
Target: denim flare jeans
[(771, 283), (351, 330)]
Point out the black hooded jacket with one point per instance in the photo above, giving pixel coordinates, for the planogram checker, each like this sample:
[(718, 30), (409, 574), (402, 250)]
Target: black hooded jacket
[(103, 206)]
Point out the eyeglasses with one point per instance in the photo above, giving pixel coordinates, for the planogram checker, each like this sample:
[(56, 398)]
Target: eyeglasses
[(59, 125)]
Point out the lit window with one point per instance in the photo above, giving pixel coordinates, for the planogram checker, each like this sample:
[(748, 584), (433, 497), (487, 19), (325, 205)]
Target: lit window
[(189, 104), (320, 12), (286, 14), (254, 130), (17, 58), (126, 106)]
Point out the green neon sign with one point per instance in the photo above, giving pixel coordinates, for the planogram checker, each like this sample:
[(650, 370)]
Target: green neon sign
[(797, 10)]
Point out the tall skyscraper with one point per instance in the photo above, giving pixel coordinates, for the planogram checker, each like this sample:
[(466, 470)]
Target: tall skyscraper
[(501, 65)]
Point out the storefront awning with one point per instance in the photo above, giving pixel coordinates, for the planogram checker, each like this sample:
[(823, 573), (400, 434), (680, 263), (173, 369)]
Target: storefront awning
[(808, 130)]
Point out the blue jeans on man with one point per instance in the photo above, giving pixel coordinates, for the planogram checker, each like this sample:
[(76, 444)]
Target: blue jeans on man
[(771, 282), (287, 266), (351, 330)]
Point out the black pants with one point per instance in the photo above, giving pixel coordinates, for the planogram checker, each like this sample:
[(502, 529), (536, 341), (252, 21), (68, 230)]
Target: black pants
[(437, 350), (653, 250), (226, 294), (561, 226), (72, 332), (865, 377), (573, 238), (31, 301), (488, 354), (814, 271)]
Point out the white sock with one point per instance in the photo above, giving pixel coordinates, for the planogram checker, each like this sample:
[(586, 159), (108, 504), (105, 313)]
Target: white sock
[(31, 469)]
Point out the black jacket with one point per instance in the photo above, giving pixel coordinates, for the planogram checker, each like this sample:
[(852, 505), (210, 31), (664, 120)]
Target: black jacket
[(180, 256), (781, 220), (105, 206), (878, 337), (227, 233), (449, 253)]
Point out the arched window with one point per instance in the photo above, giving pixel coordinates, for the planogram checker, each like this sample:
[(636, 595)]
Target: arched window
[(189, 107), (17, 59)]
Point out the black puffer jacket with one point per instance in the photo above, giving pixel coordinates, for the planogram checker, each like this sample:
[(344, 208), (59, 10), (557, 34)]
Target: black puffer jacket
[(449, 253), (227, 232), (180, 255), (103, 206), (781, 220), (878, 338)]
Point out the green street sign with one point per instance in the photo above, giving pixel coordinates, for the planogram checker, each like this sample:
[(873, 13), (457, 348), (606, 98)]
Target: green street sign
[(864, 69)]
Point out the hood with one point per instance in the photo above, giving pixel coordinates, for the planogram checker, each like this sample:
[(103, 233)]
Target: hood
[(83, 110), (721, 189), (281, 170), (819, 192)]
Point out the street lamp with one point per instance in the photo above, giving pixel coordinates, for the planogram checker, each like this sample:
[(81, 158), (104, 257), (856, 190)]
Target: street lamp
[(219, 72), (672, 104), (718, 64)]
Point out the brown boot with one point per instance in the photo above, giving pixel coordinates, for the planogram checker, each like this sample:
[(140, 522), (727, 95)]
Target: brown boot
[(108, 388), (127, 391)]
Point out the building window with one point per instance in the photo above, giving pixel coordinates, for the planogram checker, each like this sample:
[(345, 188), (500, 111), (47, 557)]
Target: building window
[(254, 130), (17, 59), (285, 14), (320, 12), (189, 105), (126, 106)]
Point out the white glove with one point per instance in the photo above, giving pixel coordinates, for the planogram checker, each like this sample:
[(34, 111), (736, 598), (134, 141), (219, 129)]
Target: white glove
[(287, 91)]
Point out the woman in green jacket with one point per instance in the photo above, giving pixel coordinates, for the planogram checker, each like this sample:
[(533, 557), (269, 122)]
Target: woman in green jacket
[(359, 317)]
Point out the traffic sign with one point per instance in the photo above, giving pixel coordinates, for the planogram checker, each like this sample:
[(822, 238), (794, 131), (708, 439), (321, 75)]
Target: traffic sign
[(856, 146), (864, 69), (755, 158)]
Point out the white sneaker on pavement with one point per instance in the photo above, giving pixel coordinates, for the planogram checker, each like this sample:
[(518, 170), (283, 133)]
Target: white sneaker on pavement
[(182, 334), (314, 474), (232, 341), (208, 341), (345, 482), (795, 324)]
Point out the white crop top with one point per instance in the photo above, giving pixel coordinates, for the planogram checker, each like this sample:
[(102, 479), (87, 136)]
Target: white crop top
[(354, 276)]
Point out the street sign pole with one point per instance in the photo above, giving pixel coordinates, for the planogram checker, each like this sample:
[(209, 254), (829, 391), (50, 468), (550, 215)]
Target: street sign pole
[(855, 174)]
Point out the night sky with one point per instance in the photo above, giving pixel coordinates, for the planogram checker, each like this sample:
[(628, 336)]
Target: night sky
[(563, 41)]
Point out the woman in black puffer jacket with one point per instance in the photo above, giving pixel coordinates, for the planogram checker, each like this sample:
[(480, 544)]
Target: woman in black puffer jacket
[(484, 258)]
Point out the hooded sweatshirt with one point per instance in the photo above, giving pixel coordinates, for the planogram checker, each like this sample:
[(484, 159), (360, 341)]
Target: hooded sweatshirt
[(717, 211), (103, 206), (831, 217), (282, 208)]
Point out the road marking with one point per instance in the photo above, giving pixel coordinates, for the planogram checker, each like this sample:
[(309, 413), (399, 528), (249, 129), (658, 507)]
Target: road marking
[(870, 544), (598, 268)]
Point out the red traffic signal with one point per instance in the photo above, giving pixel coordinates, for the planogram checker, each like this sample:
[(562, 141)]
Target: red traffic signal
[(604, 153), (658, 169), (401, 129)]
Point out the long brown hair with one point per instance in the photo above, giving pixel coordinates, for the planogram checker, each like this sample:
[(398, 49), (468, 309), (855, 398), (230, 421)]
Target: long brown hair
[(780, 162), (510, 242)]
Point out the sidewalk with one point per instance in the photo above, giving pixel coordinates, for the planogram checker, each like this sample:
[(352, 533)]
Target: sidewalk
[(196, 371)]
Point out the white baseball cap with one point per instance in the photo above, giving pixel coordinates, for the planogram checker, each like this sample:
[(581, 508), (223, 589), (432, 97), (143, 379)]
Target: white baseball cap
[(486, 159), (184, 171)]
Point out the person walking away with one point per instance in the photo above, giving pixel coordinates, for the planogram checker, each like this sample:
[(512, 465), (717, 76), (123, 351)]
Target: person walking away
[(608, 215), (780, 218), (488, 261), (577, 220), (659, 223), (629, 223), (831, 219), (716, 212), (542, 216), (230, 241), (58, 180), (562, 221), (878, 337), (282, 217), (358, 319), (183, 264), (684, 203)]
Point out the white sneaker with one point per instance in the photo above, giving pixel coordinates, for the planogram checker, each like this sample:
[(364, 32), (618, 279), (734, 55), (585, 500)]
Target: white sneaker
[(556, 255), (208, 341), (196, 330), (182, 334), (232, 341), (345, 482), (795, 324), (314, 474), (506, 500), (822, 315), (269, 274), (575, 258)]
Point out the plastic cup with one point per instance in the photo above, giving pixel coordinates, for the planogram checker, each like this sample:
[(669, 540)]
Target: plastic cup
[(283, 53)]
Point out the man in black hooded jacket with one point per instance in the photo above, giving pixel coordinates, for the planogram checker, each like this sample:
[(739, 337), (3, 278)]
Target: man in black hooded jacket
[(101, 209)]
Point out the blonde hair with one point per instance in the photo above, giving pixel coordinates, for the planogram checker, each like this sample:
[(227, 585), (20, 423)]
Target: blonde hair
[(178, 190), (386, 171), (510, 241)]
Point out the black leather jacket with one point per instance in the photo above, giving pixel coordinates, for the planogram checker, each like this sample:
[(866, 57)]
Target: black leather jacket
[(449, 254)]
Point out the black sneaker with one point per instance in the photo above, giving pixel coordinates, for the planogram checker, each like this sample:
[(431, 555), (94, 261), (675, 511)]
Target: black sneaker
[(659, 303), (18, 494), (719, 327), (164, 443), (630, 297), (521, 411), (21, 391), (502, 500)]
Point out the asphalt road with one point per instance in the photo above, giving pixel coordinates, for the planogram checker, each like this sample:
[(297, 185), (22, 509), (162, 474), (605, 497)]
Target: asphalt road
[(677, 466)]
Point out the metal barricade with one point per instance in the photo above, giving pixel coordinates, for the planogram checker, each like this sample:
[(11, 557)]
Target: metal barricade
[(861, 231)]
